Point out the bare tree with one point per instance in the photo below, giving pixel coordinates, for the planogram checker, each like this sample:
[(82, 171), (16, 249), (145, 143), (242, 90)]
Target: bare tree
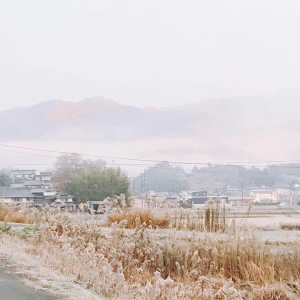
[(69, 164)]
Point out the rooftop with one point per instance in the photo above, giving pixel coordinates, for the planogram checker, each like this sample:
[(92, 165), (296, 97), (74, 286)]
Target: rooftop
[(32, 182), (15, 193), (23, 172)]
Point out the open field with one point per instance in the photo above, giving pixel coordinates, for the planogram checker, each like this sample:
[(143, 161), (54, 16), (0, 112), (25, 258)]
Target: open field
[(177, 254)]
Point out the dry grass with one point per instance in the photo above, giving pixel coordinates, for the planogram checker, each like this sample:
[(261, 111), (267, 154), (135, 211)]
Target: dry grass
[(166, 264), (212, 219), (15, 214), (290, 226), (132, 218), (140, 265)]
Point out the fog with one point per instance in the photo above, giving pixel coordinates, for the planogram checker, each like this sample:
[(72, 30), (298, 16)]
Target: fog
[(146, 53)]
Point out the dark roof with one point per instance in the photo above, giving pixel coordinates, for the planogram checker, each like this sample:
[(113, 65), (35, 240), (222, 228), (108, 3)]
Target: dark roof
[(15, 193), (32, 183), (22, 172), (37, 190)]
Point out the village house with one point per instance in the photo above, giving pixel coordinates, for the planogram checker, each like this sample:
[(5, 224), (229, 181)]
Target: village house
[(22, 174), (10, 195), (285, 195), (264, 196), (198, 197), (30, 184), (65, 204), (43, 176), (239, 200)]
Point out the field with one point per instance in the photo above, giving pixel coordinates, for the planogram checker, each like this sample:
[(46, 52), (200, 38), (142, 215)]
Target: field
[(176, 254)]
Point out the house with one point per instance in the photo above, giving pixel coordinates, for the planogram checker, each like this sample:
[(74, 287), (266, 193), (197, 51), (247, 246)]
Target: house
[(33, 184), (67, 205), (9, 195), (285, 195), (239, 200), (45, 197), (266, 196), (22, 174), (43, 176), (173, 196), (163, 195), (30, 184), (199, 197)]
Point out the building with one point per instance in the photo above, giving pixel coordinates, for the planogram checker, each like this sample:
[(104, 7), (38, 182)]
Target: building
[(198, 197), (43, 176), (239, 200), (64, 204), (22, 174), (30, 184), (264, 196), (33, 184), (285, 195), (9, 195)]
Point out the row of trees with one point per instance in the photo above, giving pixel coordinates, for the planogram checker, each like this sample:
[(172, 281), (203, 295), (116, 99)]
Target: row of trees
[(163, 177), (92, 180)]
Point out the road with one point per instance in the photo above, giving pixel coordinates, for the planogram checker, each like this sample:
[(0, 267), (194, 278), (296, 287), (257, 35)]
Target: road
[(12, 288)]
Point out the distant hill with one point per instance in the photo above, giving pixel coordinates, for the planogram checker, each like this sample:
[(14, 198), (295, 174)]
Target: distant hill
[(233, 128), (95, 119)]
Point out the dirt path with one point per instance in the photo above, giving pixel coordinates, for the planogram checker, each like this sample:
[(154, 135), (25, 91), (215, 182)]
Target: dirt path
[(12, 288)]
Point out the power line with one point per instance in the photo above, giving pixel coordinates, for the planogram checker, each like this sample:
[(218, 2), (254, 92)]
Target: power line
[(33, 154), (147, 160), (143, 165)]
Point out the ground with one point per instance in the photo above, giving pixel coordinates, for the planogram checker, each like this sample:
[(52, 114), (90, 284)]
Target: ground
[(12, 288)]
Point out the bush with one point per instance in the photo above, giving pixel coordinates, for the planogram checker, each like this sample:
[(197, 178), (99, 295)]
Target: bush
[(290, 226), (15, 214), (133, 218)]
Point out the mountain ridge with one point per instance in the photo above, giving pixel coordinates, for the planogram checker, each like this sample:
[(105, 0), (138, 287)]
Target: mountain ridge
[(237, 127)]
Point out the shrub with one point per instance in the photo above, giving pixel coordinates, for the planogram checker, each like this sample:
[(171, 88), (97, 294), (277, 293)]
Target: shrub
[(15, 214), (290, 226), (132, 218)]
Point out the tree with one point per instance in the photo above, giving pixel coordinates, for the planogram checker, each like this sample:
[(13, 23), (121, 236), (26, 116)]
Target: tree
[(69, 164), (162, 177), (5, 180), (97, 184)]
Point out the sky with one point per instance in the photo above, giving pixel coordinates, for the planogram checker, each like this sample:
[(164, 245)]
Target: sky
[(146, 53)]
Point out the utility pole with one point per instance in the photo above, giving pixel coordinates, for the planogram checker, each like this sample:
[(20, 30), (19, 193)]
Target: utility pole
[(145, 181), (141, 182), (242, 194)]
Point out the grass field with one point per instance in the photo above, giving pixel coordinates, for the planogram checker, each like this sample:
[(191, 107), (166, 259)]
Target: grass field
[(136, 254)]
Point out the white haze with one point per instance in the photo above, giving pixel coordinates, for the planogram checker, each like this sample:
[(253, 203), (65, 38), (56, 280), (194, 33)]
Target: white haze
[(147, 53)]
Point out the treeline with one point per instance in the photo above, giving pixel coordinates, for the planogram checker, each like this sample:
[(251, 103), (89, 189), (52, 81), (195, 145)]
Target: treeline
[(163, 177)]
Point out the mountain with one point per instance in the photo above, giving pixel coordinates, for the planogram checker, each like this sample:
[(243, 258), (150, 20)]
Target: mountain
[(96, 119), (241, 128)]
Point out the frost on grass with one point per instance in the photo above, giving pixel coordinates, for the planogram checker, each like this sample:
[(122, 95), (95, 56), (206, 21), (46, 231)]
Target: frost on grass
[(14, 254), (116, 263), (119, 264)]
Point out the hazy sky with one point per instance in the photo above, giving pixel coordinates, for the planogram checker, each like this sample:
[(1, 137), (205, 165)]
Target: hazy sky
[(158, 52)]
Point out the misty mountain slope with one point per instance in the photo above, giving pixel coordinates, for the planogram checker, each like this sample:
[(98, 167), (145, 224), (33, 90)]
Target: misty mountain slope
[(223, 128), (91, 119)]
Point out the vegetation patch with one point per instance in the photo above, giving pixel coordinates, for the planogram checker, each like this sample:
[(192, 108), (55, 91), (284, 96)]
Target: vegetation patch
[(290, 226), (15, 214), (132, 218)]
